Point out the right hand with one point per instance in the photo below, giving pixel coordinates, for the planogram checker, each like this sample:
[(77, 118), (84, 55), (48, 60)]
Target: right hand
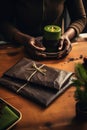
[(35, 48)]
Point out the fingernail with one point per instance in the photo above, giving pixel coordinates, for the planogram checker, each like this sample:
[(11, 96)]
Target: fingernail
[(59, 48)]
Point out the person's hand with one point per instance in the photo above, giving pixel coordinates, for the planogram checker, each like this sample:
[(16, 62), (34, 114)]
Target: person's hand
[(64, 46), (35, 48)]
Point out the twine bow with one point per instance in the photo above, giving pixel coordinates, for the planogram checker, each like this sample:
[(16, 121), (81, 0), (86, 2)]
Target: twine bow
[(35, 69)]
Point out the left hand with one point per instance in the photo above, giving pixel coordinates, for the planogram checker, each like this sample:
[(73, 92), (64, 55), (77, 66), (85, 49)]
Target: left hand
[(65, 45)]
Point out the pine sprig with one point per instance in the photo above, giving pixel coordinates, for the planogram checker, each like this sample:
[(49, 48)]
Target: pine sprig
[(81, 72), (80, 83)]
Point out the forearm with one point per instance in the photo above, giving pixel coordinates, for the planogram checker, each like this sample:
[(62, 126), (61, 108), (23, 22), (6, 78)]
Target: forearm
[(78, 17), (70, 33), (13, 34)]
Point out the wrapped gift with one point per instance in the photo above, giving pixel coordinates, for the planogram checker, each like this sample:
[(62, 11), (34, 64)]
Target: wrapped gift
[(36, 81)]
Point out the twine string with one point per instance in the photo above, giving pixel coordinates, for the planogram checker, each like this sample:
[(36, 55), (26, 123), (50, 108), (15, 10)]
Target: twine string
[(36, 69)]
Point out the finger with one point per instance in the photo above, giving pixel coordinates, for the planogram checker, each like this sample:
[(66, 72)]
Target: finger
[(37, 46), (64, 53), (60, 44), (70, 48), (39, 54), (68, 44)]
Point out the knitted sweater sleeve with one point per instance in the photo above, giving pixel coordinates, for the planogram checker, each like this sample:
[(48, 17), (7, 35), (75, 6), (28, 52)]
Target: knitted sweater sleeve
[(77, 14)]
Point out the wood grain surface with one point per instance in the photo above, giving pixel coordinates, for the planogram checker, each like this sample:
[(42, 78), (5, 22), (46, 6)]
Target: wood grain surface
[(60, 115)]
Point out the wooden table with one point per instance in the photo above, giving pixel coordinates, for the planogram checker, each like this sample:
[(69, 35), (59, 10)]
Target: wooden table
[(60, 115)]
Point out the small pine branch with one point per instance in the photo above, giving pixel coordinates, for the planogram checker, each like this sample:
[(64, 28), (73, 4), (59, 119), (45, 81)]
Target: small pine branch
[(80, 83), (81, 72)]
